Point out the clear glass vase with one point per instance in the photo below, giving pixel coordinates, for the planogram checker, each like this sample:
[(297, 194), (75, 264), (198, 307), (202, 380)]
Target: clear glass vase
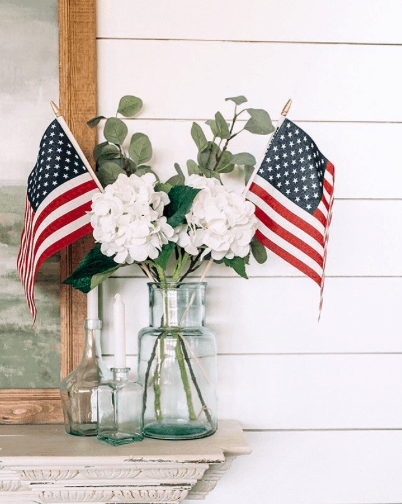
[(80, 388), (177, 364)]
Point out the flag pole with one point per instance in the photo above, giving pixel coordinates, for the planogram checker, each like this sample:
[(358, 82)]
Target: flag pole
[(284, 113), (67, 131)]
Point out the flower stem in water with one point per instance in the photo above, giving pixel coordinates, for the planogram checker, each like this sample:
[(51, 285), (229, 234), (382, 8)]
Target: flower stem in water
[(157, 378), (184, 378), (193, 377)]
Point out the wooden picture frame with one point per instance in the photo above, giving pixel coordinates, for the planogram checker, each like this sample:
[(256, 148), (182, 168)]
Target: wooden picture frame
[(77, 85)]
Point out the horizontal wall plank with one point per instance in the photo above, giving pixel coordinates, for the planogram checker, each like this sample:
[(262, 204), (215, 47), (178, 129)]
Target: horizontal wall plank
[(310, 20), (363, 242), (365, 155), (183, 80), (309, 391), (279, 315), (316, 468)]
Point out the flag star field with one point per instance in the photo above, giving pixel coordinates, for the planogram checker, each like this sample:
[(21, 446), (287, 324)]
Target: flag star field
[(295, 167), (57, 163)]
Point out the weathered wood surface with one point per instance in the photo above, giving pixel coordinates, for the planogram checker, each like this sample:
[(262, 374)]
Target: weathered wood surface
[(77, 47), (33, 406)]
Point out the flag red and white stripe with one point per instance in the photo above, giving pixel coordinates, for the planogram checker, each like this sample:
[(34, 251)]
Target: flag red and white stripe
[(285, 227), (58, 200)]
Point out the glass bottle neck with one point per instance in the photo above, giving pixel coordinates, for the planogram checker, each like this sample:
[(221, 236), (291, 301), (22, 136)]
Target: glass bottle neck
[(120, 374), (92, 329)]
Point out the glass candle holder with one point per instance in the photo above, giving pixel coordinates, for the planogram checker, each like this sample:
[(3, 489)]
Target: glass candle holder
[(120, 409)]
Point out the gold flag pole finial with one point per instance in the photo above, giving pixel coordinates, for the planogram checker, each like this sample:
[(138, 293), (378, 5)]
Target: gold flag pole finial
[(286, 108), (55, 109)]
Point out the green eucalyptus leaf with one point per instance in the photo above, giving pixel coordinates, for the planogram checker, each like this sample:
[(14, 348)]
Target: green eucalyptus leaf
[(226, 169), (140, 148), (142, 170), (109, 151), (175, 180), (243, 158), (192, 168), (209, 173), (179, 170), (214, 128), (129, 106), (181, 199), (248, 171), (225, 165), (238, 264), (163, 187), (109, 172), (164, 255), (221, 124), (118, 161), (207, 160), (115, 130), (259, 123), (258, 250), (198, 136), (237, 99), (94, 263), (95, 120), (98, 149)]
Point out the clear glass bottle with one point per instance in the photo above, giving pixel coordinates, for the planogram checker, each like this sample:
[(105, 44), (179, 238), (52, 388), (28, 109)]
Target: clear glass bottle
[(120, 409), (80, 388), (177, 364)]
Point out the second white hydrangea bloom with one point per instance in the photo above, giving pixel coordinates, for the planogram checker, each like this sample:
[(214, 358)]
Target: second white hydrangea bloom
[(220, 220)]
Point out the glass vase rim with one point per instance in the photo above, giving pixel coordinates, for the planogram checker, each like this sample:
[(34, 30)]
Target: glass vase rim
[(164, 285)]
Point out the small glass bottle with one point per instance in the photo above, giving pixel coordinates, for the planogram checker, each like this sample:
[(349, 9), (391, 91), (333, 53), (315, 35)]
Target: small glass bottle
[(120, 409), (80, 388)]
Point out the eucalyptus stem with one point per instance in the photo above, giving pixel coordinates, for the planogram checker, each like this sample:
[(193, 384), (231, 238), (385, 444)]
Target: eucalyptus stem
[(218, 159), (193, 377), (184, 378), (157, 377), (152, 357)]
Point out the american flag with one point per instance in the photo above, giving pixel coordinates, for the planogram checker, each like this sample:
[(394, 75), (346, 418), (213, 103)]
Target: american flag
[(58, 198), (293, 193)]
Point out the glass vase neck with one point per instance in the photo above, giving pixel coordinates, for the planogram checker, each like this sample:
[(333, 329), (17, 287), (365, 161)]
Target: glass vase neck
[(177, 304)]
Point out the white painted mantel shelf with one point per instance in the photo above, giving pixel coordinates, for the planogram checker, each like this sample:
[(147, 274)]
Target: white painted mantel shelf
[(43, 464)]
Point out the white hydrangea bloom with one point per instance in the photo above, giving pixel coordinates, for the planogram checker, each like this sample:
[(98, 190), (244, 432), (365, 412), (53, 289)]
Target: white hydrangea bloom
[(220, 220), (127, 219)]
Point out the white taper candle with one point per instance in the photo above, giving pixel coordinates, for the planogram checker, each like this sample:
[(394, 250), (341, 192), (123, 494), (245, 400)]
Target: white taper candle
[(92, 304), (119, 327)]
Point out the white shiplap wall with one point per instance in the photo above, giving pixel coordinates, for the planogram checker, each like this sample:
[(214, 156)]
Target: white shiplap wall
[(321, 403)]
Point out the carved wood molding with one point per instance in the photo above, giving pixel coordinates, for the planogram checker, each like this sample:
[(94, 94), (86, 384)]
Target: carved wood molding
[(147, 482), (42, 464)]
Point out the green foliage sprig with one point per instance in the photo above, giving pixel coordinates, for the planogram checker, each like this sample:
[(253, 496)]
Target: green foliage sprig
[(110, 156), (213, 156)]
